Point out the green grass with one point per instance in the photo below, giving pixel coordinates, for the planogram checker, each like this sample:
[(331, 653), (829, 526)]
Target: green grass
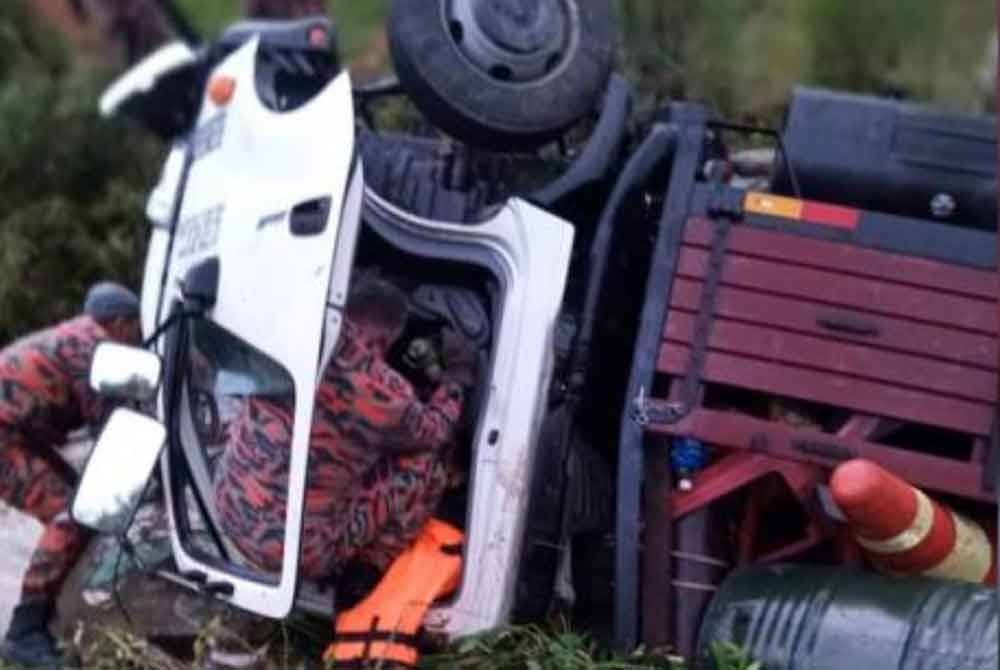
[(514, 648), (537, 648)]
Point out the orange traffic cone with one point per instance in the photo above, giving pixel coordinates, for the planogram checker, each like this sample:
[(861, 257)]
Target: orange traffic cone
[(904, 532)]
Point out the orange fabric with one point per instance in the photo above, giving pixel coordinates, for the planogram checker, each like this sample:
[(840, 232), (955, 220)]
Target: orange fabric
[(394, 612)]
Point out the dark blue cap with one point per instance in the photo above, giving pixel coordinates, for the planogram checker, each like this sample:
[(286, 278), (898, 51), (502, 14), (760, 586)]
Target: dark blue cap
[(108, 300)]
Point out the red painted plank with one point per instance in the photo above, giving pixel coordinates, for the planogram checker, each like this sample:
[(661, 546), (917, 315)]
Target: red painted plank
[(799, 315), (837, 390), (975, 314), (849, 259), (699, 231), (733, 430), (843, 358)]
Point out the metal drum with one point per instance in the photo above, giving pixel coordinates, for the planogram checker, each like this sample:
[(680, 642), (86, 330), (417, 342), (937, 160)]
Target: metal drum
[(826, 618)]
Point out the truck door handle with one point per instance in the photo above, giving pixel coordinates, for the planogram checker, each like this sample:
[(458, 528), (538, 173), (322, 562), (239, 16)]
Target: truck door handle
[(309, 217), (848, 323)]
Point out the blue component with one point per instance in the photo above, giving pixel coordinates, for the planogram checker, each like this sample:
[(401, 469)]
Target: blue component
[(688, 455)]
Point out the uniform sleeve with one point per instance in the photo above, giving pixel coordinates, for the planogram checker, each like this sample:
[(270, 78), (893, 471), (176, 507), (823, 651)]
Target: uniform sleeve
[(369, 403), (409, 424), (74, 350)]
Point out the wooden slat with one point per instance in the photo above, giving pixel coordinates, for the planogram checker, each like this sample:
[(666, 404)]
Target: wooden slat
[(846, 258), (849, 360), (729, 429), (800, 315), (973, 314), (831, 389)]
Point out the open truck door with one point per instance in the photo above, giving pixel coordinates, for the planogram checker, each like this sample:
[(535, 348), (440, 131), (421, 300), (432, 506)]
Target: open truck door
[(253, 239)]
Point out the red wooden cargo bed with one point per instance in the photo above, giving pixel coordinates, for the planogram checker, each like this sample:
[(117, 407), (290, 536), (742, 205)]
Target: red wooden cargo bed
[(880, 330)]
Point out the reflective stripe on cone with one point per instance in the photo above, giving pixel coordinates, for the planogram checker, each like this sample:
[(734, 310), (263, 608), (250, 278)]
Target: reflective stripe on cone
[(904, 532)]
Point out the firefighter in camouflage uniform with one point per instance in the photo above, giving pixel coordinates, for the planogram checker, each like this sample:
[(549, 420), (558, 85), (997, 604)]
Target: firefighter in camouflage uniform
[(44, 395), (377, 460)]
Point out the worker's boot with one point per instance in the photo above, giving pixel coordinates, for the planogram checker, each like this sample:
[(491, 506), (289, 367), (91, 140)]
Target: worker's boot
[(29, 644)]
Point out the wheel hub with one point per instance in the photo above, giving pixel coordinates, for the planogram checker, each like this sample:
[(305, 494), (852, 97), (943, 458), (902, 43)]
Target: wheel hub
[(513, 40)]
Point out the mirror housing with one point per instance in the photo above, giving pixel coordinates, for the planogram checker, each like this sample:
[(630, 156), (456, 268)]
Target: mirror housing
[(141, 79), (126, 373), (117, 472), (163, 92)]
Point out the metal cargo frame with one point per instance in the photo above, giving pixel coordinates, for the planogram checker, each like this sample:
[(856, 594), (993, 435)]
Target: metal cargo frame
[(889, 319)]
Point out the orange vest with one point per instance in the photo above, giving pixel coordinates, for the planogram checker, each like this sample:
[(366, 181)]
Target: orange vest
[(384, 626)]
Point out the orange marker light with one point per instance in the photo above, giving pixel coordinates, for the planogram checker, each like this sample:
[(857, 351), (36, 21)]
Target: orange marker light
[(802, 210), (773, 205), (221, 90)]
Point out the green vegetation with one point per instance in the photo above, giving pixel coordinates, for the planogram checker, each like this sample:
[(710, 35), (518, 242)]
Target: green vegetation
[(744, 56), (210, 17), (72, 185), (514, 648), (536, 648), (356, 21)]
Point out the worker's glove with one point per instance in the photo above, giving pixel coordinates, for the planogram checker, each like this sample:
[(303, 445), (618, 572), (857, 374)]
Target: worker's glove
[(460, 359), (422, 355)]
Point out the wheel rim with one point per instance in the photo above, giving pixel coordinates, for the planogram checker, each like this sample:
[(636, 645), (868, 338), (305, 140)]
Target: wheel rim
[(513, 41)]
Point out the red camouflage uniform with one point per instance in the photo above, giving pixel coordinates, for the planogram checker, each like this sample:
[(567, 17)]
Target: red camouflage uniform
[(376, 465), (44, 394)]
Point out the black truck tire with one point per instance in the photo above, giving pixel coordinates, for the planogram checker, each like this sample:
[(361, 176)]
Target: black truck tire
[(503, 74)]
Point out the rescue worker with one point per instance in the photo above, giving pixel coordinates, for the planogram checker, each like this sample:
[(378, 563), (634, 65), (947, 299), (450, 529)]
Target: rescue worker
[(44, 395), (377, 459)]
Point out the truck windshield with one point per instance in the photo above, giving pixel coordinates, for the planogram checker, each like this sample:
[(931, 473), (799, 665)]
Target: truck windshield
[(237, 368), (239, 405)]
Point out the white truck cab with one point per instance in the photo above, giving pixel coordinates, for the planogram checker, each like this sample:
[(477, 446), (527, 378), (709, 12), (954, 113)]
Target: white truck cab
[(264, 209)]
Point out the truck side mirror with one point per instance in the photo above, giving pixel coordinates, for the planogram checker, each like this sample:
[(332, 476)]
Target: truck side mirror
[(162, 92), (126, 373), (119, 467)]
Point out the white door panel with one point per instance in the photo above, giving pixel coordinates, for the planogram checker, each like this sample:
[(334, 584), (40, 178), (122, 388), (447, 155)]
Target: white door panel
[(530, 251), (251, 167)]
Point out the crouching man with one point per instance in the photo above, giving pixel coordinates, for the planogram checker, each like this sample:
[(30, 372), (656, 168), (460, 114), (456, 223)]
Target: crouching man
[(44, 395), (377, 459)]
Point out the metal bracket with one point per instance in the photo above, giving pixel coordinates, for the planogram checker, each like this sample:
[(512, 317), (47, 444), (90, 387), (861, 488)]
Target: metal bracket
[(726, 203), (646, 411)]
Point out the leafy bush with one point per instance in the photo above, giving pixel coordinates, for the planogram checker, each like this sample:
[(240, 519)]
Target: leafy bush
[(72, 184), (744, 56)]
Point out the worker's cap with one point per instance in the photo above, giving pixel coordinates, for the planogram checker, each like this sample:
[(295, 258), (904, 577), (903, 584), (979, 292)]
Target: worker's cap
[(108, 300)]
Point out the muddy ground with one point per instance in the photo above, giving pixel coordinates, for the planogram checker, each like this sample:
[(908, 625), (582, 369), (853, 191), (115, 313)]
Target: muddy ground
[(155, 607), (18, 536)]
